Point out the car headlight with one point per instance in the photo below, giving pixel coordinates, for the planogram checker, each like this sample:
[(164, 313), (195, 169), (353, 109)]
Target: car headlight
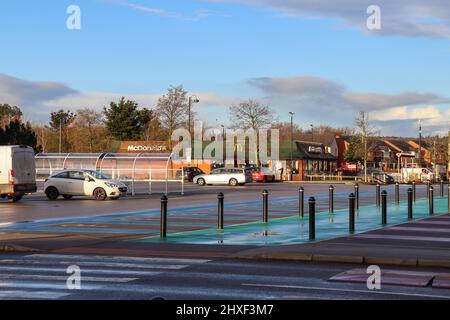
[(111, 185)]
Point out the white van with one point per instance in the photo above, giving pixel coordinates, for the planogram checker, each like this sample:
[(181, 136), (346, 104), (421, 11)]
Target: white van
[(17, 172)]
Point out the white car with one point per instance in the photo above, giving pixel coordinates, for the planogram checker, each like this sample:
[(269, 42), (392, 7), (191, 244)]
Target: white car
[(233, 176), (73, 182)]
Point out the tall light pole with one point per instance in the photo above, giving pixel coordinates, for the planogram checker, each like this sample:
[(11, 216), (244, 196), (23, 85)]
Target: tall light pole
[(60, 134), (192, 99), (420, 143), (312, 132), (292, 136), (224, 145)]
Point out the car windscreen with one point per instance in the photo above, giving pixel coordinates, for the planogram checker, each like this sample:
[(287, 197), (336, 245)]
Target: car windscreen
[(98, 175)]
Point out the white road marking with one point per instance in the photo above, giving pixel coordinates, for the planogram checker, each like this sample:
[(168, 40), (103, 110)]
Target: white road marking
[(11, 276), (83, 271), (346, 290), (41, 295), (97, 264), (114, 258)]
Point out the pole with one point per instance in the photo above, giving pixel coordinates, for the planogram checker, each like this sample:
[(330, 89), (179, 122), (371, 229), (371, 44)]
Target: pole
[(351, 213), (397, 193), (189, 115), (357, 196), (312, 218), (410, 203), (292, 137), (442, 189), (331, 199), (163, 226), (384, 207), (414, 190), (420, 144), (431, 200), (301, 202), (60, 134), (265, 206), (220, 198), (448, 198), (377, 194), (428, 189)]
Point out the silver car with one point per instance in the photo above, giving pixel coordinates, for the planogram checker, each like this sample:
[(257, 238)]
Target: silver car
[(233, 177)]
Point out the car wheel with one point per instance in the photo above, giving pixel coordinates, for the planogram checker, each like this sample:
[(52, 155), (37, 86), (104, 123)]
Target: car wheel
[(67, 197), (233, 182), (201, 182), (100, 194), (14, 199), (116, 198), (52, 193)]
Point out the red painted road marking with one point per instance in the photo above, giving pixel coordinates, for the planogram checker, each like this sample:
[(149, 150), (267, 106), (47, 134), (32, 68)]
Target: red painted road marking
[(442, 230), (400, 237)]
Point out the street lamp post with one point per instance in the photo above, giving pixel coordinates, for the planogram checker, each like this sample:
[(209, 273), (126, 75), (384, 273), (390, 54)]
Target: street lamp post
[(312, 132), (292, 137), (192, 99), (420, 144), (224, 145)]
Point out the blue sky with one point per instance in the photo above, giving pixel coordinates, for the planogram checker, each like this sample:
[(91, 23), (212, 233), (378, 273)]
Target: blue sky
[(318, 61)]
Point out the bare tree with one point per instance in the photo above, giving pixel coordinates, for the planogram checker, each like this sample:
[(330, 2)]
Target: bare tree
[(252, 114), (172, 109), (364, 131), (89, 121)]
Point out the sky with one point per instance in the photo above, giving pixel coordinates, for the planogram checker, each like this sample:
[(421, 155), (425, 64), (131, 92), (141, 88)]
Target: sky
[(317, 59)]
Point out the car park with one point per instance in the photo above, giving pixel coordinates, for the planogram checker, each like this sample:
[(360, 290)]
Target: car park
[(73, 182), (230, 176), (189, 173), (263, 175)]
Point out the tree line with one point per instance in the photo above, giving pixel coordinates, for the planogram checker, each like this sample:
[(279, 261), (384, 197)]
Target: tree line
[(93, 131)]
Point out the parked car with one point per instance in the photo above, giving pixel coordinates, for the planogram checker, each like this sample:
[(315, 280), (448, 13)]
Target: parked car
[(263, 175), (378, 175), (17, 172), (233, 177), (189, 173), (74, 182)]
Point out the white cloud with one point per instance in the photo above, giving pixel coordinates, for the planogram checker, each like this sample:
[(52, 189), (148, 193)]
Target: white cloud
[(412, 18)]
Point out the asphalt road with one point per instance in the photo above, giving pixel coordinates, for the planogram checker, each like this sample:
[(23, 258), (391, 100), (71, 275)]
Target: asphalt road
[(45, 277), (37, 207)]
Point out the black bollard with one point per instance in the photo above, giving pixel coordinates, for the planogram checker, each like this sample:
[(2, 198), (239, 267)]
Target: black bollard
[(357, 196), (414, 190), (331, 199), (397, 193), (431, 200), (377, 194), (301, 202), (428, 189), (265, 206), (163, 226), (351, 212), (312, 218), (442, 189), (384, 207), (220, 198), (410, 203)]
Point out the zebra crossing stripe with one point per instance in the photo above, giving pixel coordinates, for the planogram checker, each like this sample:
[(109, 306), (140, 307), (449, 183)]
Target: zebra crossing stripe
[(41, 295), (115, 258), (97, 264)]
